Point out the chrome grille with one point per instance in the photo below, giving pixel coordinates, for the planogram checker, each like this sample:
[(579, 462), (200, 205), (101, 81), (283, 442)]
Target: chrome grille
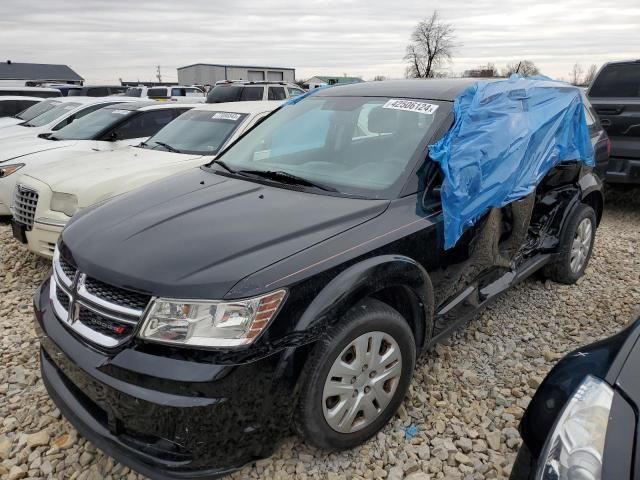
[(116, 295), (104, 315), (25, 201), (69, 271)]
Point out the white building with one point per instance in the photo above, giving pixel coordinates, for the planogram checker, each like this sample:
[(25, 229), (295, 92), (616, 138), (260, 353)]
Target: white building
[(209, 74)]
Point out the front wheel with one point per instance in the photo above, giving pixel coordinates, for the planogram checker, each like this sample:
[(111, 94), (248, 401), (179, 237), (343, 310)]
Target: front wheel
[(576, 246), (356, 377)]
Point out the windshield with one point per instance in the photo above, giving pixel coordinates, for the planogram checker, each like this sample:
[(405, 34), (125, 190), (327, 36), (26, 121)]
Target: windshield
[(197, 132), (357, 145), (37, 109), (89, 126), (51, 115)]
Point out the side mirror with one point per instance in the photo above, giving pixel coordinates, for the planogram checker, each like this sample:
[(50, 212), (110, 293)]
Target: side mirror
[(113, 136)]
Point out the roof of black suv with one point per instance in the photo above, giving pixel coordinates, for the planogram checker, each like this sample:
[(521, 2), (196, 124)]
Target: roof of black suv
[(432, 89)]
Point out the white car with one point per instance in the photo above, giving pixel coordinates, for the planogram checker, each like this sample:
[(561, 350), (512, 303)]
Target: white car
[(67, 111), (32, 112), (176, 93), (46, 198), (110, 128)]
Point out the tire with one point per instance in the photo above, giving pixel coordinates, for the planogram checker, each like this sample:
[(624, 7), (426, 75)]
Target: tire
[(370, 320), (561, 269)]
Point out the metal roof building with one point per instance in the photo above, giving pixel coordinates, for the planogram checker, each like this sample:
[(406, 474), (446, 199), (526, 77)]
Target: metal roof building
[(209, 73), (21, 73)]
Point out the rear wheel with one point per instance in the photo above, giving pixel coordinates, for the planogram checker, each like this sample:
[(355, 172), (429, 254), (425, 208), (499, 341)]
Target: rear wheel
[(356, 377), (576, 246)]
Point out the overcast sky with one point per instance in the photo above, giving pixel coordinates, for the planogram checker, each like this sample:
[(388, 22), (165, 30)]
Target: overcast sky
[(104, 40)]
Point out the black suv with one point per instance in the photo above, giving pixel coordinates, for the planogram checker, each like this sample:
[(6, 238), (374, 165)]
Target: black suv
[(615, 95), (188, 324)]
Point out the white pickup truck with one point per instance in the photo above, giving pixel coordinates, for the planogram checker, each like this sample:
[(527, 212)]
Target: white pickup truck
[(48, 196)]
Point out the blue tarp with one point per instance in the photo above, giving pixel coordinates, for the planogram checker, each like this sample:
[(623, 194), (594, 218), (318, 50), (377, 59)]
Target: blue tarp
[(507, 135)]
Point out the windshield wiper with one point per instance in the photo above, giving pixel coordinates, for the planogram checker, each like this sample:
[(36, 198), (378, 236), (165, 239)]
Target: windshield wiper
[(224, 165), (286, 177), (168, 147)]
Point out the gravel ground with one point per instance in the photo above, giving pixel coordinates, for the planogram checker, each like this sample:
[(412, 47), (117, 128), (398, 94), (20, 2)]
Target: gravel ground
[(458, 421)]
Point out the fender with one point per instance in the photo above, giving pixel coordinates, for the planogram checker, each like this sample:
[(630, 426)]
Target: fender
[(603, 359), (364, 279)]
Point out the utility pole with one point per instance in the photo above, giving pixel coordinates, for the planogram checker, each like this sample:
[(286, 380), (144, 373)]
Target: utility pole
[(159, 75)]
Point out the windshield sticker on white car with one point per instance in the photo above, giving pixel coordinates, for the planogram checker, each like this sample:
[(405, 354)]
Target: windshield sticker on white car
[(411, 106), (227, 116), (121, 112)]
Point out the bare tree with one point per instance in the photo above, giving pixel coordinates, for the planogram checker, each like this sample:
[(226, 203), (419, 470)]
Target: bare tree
[(526, 68), (431, 45), (575, 75), (379, 78), (590, 75)]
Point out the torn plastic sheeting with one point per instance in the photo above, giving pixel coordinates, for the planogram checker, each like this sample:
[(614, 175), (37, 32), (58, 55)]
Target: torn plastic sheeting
[(507, 135)]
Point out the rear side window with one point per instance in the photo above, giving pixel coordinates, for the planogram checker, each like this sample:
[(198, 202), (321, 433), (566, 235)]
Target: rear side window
[(225, 93), (177, 92), (277, 93), (144, 124), (97, 92), (157, 93), (252, 93), (617, 80)]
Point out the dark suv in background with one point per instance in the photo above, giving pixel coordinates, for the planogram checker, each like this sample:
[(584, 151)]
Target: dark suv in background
[(615, 95)]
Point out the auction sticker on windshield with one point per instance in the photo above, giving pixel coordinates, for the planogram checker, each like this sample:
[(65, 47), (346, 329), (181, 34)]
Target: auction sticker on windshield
[(411, 106), (227, 116)]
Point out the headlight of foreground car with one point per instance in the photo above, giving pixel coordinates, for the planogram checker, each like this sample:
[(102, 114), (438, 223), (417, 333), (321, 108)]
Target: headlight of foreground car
[(574, 449), (210, 323), (66, 203), (6, 170)]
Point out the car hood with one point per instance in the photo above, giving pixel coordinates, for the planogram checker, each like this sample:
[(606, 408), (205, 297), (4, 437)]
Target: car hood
[(198, 234), (113, 172), (8, 121), (19, 131), (17, 147)]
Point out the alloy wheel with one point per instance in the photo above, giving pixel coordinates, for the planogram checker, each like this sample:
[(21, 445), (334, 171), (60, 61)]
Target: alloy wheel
[(581, 245)]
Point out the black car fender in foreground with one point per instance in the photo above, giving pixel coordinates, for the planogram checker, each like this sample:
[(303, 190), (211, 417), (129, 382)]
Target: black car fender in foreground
[(614, 360)]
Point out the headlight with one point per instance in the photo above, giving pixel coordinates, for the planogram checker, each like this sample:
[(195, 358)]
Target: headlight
[(65, 203), (6, 170), (574, 449), (210, 323)]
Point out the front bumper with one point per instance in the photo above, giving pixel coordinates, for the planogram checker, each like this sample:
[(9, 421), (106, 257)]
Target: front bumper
[(623, 170), (43, 236), (166, 417)]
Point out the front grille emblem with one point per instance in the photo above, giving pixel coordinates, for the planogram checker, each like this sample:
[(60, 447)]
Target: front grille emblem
[(74, 308)]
